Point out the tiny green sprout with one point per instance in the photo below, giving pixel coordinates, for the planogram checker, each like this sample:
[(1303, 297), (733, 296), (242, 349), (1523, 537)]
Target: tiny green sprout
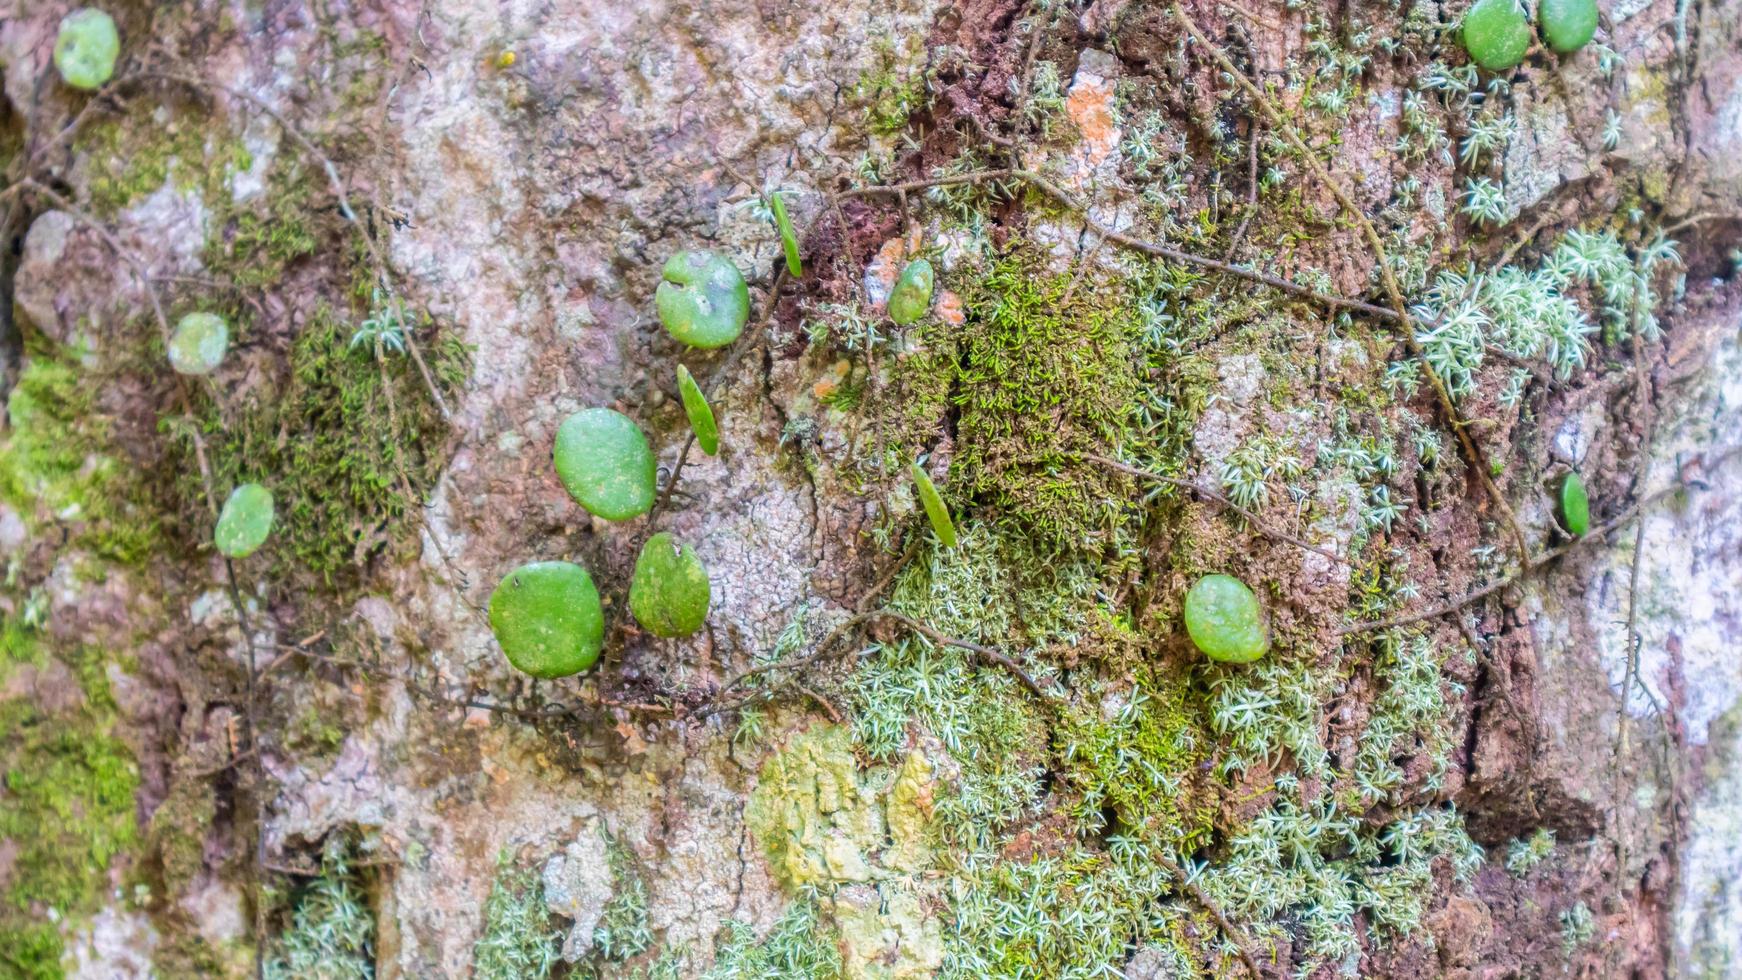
[(244, 522), (1567, 25), (695, 405), (86, 48), (911, 296), (1575, 505), (935, 511), (669, 593), (199, 343), (1225, 621), (788, 237), (1496, 34), (605, 463), (547, 617), (703, 301)]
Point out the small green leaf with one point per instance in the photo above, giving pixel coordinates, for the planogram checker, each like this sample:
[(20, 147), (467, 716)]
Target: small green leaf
[(548, 619), (1575, 505), (1567, 25), (911, 296), (695, 405), (703, 301), (1225, 621), (935, 511), (199, 343), (1496, 34), (669, 593), (86, 48), (244, 522), (788, 237), (605, 463)]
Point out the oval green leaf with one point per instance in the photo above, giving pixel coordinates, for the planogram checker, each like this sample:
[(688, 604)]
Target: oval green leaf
[(199, 343), (547, 617), (788, 237), (703, 301), (605, 463), (86, 48), (1567, 25), (1575, 505), (911, 296), (1225, 621), (1496, 34), (245, 521), (695, 405), (935, 511), (669, 594)]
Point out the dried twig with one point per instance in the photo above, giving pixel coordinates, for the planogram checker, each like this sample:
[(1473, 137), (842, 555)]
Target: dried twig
[(1473, 456), (1234, 934), (1627, 514), (1257, 522)]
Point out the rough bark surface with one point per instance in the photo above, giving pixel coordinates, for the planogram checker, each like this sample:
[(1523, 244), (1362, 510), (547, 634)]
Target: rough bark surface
[(436, 231)]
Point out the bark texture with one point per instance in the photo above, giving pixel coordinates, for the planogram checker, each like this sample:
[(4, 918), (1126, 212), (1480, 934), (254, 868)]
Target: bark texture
[(1171, 244)]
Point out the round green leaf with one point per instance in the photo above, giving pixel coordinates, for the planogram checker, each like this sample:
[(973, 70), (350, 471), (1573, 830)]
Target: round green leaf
[(788, 237), (1496, 34), (547, 617), (669, 594), (695, 405), (911, 296), (1567, 25), (935, 511), (86, 48), (1575, 504), (605, 463), (703, 301), (245, 521), (1224, 620), (199, 343)]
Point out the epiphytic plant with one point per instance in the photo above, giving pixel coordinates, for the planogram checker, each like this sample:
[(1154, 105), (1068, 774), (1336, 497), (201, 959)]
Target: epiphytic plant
[(1567, 25), (245, 521), (703, 301), (86, 47), (1496, 34), (701, 416), (911, 296), (669, 593), (1575, 504), (935, 511), (1225, 621), (605, 463), (548, 618), (788, 237), (199, 343)]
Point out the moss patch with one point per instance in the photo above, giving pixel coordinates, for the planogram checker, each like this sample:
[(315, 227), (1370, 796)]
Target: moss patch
[(1047, 376), (67, 810), (56, 463), (346, 448)]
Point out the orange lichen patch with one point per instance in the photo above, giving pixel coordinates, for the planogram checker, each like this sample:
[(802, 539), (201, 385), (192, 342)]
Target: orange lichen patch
[(949, 309), (832, 382), (1090, 106), (881, 273)]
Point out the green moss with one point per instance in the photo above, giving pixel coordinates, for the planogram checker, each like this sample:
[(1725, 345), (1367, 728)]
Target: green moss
[(891, 93), (1047, 376), (253, 244), (67, 809), (331, 933), (57, 463), (346, 460), (1132, 750), (518, 942), (801, 946)]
